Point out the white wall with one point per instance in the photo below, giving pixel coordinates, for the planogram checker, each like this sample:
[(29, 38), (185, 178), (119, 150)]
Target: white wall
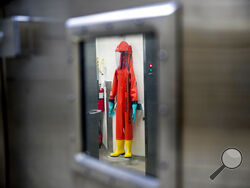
[(105, 49)]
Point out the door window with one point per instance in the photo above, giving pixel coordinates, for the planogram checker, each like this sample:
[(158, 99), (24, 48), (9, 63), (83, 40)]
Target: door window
[(118, 94)]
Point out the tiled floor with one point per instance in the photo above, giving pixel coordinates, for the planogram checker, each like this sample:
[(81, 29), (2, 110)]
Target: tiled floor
[(136, 163)]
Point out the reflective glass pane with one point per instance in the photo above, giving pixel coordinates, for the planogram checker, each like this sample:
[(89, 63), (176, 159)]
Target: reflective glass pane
[(119, 98)]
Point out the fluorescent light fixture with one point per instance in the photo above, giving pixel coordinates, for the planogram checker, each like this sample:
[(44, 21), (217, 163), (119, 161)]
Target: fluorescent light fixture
[(21, 18), (157, 10)]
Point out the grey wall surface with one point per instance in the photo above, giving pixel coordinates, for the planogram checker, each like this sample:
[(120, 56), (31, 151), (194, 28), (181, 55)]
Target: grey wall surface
[(216, 92), (40, 109)]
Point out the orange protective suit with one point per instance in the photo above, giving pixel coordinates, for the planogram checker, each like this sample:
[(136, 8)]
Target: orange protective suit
[(124, 88)]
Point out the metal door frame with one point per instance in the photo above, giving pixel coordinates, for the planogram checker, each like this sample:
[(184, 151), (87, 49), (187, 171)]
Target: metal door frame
[(90, 114), (4, 146), (162, 20), (150, 102)]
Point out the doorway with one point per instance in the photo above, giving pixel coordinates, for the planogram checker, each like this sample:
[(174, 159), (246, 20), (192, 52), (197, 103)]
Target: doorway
[(98, 129)]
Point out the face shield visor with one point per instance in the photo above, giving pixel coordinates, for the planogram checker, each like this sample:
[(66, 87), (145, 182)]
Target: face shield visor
[(122, 60)]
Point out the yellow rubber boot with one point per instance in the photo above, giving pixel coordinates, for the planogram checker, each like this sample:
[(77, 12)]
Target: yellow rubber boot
[(119, 149), (129, 147)]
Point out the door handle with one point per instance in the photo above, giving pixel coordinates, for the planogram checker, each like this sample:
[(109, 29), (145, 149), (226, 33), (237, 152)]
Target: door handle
[(94, 111)]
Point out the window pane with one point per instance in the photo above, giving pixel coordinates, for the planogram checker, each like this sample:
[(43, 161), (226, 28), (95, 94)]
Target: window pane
[(119, 100)]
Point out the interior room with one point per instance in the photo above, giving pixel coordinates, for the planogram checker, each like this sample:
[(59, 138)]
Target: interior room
[(103, 58), (106, 66)]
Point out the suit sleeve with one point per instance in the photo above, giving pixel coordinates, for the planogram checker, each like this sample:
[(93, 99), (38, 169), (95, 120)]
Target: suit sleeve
[(114, 88), (133, 87)]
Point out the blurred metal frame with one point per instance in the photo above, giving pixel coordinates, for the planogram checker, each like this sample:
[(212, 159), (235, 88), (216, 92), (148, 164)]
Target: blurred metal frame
[(162, 20), (17, 35)]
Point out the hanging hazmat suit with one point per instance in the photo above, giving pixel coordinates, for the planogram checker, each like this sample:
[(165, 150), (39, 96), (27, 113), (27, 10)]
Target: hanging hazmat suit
[(124, 88)]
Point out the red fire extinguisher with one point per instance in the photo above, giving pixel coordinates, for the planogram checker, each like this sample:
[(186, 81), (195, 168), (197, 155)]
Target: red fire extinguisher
[(100, 107), (101, 99)]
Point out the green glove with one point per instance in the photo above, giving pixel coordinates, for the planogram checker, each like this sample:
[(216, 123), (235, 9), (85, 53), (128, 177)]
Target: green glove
[(134, 107), (111, 109)]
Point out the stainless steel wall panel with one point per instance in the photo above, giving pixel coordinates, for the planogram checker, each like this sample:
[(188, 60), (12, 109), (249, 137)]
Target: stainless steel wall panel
[(41, 105), (216, 68)]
